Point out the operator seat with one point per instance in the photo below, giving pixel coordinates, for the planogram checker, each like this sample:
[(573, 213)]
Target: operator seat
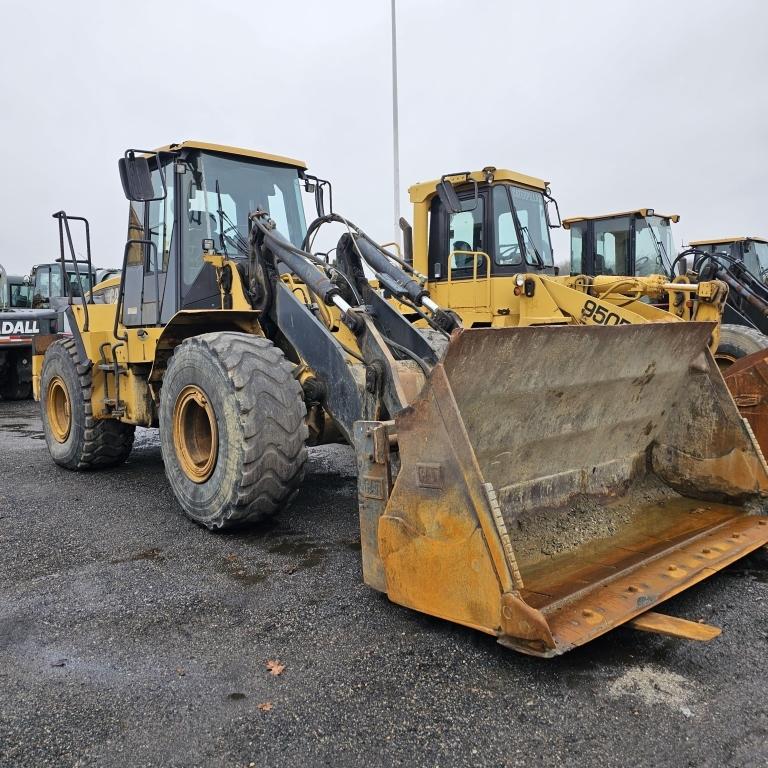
[(462, 260)]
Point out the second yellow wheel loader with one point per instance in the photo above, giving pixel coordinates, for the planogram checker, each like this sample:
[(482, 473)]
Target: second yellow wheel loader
[(477, 234), (541, 484)]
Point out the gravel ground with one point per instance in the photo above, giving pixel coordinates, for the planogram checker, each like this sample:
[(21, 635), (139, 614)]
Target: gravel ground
[(131, 637)]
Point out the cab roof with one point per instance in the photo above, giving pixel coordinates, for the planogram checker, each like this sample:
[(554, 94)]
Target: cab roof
[(225, 149), (724, 240), (643, 212), (422, 190)]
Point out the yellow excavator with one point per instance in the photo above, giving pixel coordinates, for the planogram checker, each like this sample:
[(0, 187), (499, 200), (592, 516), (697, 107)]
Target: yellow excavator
[(542, 483)]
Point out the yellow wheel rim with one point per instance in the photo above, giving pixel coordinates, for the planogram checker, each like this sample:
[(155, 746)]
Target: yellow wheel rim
[(58, 410), (195, 435)]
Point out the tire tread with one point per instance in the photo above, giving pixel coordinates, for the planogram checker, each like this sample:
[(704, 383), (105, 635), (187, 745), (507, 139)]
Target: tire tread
[(270, 403), (106, 442)]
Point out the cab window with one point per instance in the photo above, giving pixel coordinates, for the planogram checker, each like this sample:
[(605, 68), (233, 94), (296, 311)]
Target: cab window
[(21, 296), (465, 235), (42, 288), (507, 247), (578, 242), (612, 246), (160, 214)]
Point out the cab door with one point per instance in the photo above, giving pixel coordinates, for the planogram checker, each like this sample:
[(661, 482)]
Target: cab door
[(582, 261), (149, 254), (458, 252)]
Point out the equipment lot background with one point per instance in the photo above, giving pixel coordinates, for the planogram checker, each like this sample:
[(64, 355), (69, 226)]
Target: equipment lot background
[(131, 637)]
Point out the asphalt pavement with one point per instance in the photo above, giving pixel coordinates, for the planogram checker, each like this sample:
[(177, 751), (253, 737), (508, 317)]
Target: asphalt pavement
[(131, 637)]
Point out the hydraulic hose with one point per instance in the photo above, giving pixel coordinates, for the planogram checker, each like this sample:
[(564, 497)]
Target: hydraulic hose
[(299, 262), (399, 281)]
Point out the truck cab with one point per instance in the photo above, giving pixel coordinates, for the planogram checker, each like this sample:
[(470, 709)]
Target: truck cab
[(638, 243)]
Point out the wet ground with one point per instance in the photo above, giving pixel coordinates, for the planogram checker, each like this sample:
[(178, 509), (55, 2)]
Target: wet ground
[(131, 637)]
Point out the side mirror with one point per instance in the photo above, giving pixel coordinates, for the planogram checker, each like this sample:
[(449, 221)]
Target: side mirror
[(316, 187), (136, 176), (319, 193), (448, 197), (547, 200)]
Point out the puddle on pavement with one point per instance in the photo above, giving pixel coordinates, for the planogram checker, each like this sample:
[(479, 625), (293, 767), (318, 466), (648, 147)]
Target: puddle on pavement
[(145, 554), (305, 551), (23, 430), (236, 569)]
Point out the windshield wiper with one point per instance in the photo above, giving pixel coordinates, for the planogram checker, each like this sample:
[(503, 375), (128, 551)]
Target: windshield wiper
[(238, 241), (661, 251), (220, 211), (541, 264), (539, 258)]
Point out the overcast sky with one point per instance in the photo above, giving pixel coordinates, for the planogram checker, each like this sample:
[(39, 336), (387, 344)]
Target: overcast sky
[(619, 105)]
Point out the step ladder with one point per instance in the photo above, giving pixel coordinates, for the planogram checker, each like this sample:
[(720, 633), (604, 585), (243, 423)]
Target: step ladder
[(114, 405)]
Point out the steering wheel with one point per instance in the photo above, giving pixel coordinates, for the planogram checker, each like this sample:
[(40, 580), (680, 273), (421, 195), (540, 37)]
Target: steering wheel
[(641, 262), (509, 253)]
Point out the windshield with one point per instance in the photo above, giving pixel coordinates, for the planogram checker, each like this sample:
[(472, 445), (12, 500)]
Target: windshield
[(756, 258), (20, 295), (654, 246), (223, 191), (78, 288), (527, 211)]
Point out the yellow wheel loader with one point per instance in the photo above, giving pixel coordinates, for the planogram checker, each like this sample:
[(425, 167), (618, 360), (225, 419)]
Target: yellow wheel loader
[(477, 234), (542, 484), (640, 243)]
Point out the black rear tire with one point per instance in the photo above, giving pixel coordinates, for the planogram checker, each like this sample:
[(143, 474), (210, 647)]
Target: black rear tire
[(737, 341), (89, 443), (237, 453)]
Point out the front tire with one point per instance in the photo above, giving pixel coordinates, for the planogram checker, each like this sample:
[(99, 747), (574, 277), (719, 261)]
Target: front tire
[(75, 439), (737, 341), (232, 428)]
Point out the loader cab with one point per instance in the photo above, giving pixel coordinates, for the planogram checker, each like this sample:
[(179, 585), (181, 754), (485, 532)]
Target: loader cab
[(196, 200), (19, 292), (474, 229), (498, 228), (637, 243), (49, 281), (751, 251)]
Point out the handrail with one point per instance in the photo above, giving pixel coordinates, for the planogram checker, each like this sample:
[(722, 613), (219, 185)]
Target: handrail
[(475, 256), (394, 245), (64, 219)]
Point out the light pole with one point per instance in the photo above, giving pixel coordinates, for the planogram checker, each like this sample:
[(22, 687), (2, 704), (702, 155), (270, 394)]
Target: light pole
[(395, 128)]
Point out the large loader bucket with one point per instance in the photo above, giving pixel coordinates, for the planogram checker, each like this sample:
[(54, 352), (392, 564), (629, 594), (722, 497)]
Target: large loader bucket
[(555, 482)]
